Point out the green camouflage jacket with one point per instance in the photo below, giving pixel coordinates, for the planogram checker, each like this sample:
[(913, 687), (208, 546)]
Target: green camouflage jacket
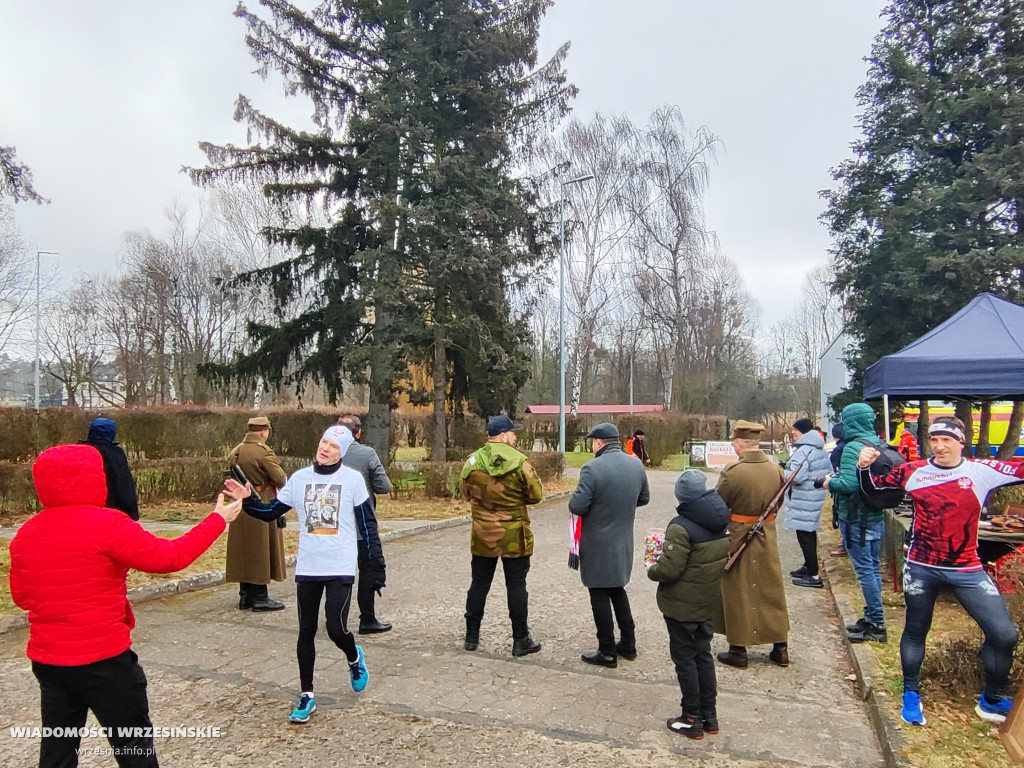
[(499, 482)]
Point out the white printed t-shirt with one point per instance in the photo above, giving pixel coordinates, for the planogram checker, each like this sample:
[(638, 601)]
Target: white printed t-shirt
[(325, 505)]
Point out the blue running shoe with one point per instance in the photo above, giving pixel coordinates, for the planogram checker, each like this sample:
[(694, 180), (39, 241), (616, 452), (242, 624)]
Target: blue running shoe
[(912, 709), (358, 671), (305, 708), (994, 713)]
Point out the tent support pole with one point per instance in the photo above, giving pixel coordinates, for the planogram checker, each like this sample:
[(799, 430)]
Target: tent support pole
[(885, 407)]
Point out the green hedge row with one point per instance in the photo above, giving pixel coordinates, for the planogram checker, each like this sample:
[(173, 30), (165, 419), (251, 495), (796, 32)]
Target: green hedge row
[(201, 478), (665, 433), (157, 481), (161, 433), (444, 480)]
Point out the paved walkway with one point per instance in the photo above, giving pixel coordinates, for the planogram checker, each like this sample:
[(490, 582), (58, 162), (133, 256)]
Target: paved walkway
[(430, 703)]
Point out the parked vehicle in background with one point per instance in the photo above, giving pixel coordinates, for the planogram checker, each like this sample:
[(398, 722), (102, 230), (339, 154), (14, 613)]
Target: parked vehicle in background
[(996, 432)]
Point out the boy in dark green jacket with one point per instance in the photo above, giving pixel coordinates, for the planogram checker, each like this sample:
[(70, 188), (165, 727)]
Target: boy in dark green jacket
[(688, 573)]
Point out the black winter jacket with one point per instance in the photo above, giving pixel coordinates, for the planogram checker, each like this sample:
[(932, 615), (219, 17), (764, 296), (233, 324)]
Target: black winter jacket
[(121, 492)]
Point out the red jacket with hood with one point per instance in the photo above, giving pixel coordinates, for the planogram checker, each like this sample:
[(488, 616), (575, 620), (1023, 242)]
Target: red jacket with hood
[(69, 562)]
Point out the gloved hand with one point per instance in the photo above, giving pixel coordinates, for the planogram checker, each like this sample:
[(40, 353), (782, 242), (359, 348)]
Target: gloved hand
[(376, 576), (282, 522)]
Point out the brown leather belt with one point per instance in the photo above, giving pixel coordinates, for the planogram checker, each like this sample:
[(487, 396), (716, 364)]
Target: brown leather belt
[(750, 519)]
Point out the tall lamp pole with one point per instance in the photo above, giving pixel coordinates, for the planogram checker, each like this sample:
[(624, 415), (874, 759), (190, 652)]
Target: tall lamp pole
[(561, 305), (38, 255)]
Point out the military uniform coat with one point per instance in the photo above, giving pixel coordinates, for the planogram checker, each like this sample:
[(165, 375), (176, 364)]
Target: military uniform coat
[(612, 485), (499, 482), (256, 548), (754, 608)]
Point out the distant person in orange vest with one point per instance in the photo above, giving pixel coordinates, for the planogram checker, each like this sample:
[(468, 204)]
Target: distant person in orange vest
[(908, 442), (635, 447)]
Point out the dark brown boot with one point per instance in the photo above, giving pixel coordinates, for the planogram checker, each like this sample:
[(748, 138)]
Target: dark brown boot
[(736, 656), (780, 655)]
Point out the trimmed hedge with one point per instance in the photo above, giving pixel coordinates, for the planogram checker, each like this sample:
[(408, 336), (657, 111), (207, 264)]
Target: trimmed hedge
[(157, 481), (665, 433), (161, 433), (444, 480), (201, 478), (17, 493)]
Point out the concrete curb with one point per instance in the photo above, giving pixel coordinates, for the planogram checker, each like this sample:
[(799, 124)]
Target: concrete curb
[(865, 666), (196, 581)]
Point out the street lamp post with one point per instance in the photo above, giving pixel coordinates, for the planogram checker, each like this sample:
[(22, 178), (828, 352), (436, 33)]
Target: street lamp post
[(561, 305), (38, 255)]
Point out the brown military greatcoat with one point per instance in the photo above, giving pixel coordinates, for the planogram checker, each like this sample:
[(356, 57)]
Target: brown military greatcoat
[(754, 608), (256, 548)]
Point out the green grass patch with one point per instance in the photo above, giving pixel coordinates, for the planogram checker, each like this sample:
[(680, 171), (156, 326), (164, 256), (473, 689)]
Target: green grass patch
[(577, 458), (405, 453), (677, 462)]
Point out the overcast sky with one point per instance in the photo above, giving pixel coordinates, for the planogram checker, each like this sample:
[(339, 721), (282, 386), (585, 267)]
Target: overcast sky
[(107, 100)]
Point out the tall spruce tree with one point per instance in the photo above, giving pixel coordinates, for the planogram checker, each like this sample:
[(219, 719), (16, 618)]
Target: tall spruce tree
[(420, 105), (930, 211)]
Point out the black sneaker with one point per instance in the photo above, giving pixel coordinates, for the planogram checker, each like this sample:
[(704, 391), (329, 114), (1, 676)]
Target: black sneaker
[(690, 727), (858, 625), (869, 632), (801, 571), (814, 582)]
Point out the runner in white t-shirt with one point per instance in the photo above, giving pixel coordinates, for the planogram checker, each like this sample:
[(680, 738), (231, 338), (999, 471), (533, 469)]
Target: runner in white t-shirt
[(331, 502)]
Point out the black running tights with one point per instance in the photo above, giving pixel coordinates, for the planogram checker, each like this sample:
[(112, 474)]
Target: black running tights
[(339, 597)]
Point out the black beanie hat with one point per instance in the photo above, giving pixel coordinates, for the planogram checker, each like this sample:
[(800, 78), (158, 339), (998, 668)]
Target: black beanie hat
[(803, 426)]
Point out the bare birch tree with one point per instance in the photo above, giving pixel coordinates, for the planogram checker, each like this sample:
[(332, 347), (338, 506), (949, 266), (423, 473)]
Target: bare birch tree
[(16, 278), (597, 230)]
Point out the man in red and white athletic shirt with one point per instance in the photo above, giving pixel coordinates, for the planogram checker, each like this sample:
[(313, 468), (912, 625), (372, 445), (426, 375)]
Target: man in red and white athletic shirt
[(948, 492)]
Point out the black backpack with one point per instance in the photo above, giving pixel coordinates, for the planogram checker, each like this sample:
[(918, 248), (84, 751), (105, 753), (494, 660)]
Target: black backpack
[(888, 459)]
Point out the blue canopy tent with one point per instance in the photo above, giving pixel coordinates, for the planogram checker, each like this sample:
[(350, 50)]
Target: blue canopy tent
[(978, 354)]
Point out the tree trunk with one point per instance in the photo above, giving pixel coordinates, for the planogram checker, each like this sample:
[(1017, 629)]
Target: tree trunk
[(983, 450), (1012, 440), (439, 444), (965, 413), (377, 430), (924, 445)]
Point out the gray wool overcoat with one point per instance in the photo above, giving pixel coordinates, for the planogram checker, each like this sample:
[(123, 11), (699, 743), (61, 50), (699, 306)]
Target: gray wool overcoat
[(612, 485)]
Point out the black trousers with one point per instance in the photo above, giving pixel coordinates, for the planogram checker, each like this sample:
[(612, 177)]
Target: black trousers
[(808, 541), (515, 569), (689, 644), (308, 595), (115, 690), (365, 594), (602, 601)]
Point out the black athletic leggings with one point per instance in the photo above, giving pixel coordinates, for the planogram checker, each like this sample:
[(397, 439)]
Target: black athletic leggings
[(339, 597)]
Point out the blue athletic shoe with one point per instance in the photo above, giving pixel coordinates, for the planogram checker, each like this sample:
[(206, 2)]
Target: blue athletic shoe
[(912, 709), (358, 671), (994, 713), (305, 708)]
